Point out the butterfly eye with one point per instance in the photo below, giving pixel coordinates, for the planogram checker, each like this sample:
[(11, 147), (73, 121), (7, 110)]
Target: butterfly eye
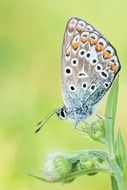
[(89, 28), (63, 114), (93, 38), (81, 26), (98, 67), (68, 71), (84, 36), (74, 62), (101, 44), (108, 52), (104, 74), (72, 88), (106, 84), (82, 52), (93, 87), (84, 85)]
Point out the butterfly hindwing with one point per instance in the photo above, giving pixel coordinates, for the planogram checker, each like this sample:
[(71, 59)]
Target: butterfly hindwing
[(89, 64)]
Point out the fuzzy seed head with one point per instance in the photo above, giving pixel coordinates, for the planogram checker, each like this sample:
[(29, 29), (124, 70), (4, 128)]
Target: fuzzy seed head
[(57, 166)]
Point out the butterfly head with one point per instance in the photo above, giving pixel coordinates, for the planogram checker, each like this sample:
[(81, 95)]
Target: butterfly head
[(62, 113)]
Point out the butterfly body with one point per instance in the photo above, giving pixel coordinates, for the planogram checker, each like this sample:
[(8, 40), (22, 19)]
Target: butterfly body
[(75, 113), (89, 65)]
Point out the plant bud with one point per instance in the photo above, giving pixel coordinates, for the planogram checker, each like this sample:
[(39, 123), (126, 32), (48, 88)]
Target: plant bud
[(96, 130), (57, 166)]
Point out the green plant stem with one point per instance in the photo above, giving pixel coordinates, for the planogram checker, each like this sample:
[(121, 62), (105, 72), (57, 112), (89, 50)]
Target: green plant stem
[(74, 175), (118, 173), (117, 161)]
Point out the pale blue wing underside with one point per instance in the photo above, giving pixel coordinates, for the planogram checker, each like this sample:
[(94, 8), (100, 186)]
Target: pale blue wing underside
[(89, 64)]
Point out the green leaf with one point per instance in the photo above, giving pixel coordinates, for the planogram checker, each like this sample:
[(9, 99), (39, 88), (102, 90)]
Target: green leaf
[(43, 179), (110, 113), (121, 152), (70, 177), (114, 183)]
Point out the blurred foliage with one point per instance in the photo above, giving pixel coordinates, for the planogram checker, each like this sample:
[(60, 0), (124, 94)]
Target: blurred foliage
[(31, 35)]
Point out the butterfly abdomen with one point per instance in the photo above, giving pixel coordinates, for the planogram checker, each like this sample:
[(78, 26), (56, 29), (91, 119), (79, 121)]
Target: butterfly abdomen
[(79, 113)]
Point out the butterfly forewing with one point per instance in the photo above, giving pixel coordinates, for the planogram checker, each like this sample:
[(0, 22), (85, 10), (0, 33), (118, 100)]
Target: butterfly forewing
[(89, 64)]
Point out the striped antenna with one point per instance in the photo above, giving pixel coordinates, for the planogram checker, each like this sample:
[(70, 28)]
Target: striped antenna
[(41, 123)]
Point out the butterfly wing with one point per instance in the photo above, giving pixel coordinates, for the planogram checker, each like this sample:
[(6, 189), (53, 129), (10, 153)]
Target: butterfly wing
[(89, 64)]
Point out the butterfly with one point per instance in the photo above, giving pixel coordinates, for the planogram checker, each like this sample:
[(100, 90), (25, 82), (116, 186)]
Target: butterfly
[(89, 65)]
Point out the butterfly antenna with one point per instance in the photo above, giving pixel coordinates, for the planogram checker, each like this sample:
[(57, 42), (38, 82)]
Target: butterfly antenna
[(41, 123)]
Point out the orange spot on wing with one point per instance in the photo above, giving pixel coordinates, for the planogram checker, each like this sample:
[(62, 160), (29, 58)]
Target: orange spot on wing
[(75, 45), (83, 39), (92, 41), (99, 47), (106, 55), (112, 66)]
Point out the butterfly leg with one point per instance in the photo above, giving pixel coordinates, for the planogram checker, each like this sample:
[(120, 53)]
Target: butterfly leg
[(76, 126), (102, 116)]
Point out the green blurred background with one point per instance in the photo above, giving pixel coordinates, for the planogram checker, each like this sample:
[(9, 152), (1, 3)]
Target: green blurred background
[(31, 34)]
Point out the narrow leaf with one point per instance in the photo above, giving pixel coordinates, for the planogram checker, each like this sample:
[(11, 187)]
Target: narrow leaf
[(121, 152), (114, 183), (43, 179), (110, 113)]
